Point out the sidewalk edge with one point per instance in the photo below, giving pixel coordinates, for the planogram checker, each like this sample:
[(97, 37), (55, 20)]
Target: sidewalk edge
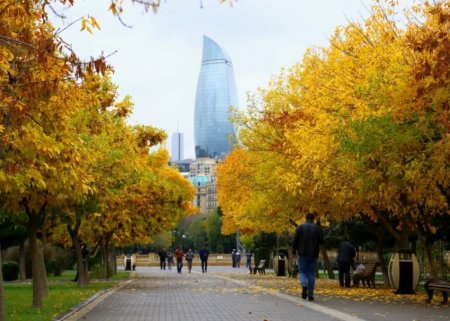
[(87, 305)]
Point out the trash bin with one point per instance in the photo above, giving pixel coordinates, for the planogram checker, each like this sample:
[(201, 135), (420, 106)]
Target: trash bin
[(280, 265), (404, 272), (128, 263)]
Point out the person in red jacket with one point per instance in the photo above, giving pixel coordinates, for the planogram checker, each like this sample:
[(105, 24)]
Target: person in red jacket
[(179, 254)]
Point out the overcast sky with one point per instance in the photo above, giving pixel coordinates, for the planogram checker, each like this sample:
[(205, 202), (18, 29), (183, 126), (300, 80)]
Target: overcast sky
[(158, 60)]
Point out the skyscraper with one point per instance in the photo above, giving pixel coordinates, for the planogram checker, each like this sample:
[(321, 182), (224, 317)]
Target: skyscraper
[(177, 146), (216, 92)]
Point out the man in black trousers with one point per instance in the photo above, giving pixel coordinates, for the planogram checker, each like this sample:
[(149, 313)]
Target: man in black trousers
[(345, 255)]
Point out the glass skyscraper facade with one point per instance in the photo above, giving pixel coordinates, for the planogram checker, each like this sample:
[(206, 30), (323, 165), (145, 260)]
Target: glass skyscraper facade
[(216, 92)]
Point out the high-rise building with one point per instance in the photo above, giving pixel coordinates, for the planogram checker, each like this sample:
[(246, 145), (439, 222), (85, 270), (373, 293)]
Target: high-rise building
[(204, 181), (216, 93), (177, 146)]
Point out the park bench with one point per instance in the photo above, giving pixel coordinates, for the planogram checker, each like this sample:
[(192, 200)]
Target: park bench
[(443, 286), (368, 275), (260, 268)]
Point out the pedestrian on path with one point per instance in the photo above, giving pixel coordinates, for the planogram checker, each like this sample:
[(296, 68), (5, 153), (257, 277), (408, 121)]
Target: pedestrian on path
[(162, 258), (179, 254), (308, 237), (238, 259), (233, 258), (169, 259), (204, 253), (249, 256), (189, 257), (345, 255)]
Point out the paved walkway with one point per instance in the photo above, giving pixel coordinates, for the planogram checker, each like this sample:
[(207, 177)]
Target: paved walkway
[(168, 296)]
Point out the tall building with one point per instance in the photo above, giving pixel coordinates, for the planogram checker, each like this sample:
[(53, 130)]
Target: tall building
[(204, 181), (177, 146), (216, 92)]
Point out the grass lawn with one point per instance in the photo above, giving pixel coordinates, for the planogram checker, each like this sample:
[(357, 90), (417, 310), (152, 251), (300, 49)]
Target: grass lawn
[(63, 295)]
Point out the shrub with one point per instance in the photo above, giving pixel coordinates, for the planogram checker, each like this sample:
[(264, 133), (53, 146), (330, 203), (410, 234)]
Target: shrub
[(97, 272), (57, 260), (10, 270)]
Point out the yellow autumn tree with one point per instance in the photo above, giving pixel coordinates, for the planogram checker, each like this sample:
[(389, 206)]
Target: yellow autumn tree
[(361, 124)]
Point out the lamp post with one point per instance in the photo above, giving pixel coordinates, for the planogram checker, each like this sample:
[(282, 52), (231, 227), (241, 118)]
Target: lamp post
[(171, 239), (182, 240)]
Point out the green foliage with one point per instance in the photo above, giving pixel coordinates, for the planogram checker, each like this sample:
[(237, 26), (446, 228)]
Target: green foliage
[(10, 270), (265, 243), (57, 260), (218, 242), (195, 234), (97, 272), (10, 233)]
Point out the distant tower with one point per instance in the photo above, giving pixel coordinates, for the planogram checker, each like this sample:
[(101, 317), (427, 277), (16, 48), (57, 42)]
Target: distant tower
[(177, 146), (216, 92)]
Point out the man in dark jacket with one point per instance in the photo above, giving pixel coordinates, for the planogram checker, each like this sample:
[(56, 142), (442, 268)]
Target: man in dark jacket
[(162, 258), (204, 253), (345, 255), (308, 237)]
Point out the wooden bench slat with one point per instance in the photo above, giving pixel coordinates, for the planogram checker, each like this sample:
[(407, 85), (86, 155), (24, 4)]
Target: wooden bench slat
[(443, 286), (261, 268)]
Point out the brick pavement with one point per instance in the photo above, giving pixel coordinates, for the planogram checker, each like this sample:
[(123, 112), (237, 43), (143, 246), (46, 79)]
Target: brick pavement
[(168, 296)]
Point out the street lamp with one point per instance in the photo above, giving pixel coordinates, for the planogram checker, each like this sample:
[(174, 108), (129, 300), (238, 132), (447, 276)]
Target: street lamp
[(171, 240)]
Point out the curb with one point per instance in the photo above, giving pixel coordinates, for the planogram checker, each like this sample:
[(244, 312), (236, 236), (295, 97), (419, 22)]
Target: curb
[(87, 305)]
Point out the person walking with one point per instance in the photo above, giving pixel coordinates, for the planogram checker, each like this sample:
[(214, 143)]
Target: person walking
[(345, 255), (189, 257), (233, 258), (204, 253), (169, 259), (249, 256), (179, 254), (238, 259), (308, 237), (162, 258)]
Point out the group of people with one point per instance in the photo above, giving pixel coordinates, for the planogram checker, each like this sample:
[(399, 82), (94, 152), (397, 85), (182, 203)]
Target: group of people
[(179, 255), (308, 237), (236, 258)]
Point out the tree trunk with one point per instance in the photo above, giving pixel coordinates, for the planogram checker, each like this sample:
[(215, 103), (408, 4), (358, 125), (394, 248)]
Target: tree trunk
[(114, 261), (85, 269), (107, 257), (380, 245), (22, 271), (403, 242), (104, 259), (80, 278), (327, 262), (82, 263), (2, 295), (431, 262), (82, 275), (40, 286), (112, 269)]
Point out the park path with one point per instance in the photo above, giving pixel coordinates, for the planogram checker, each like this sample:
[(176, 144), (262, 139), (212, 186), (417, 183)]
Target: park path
[(155, 295)]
